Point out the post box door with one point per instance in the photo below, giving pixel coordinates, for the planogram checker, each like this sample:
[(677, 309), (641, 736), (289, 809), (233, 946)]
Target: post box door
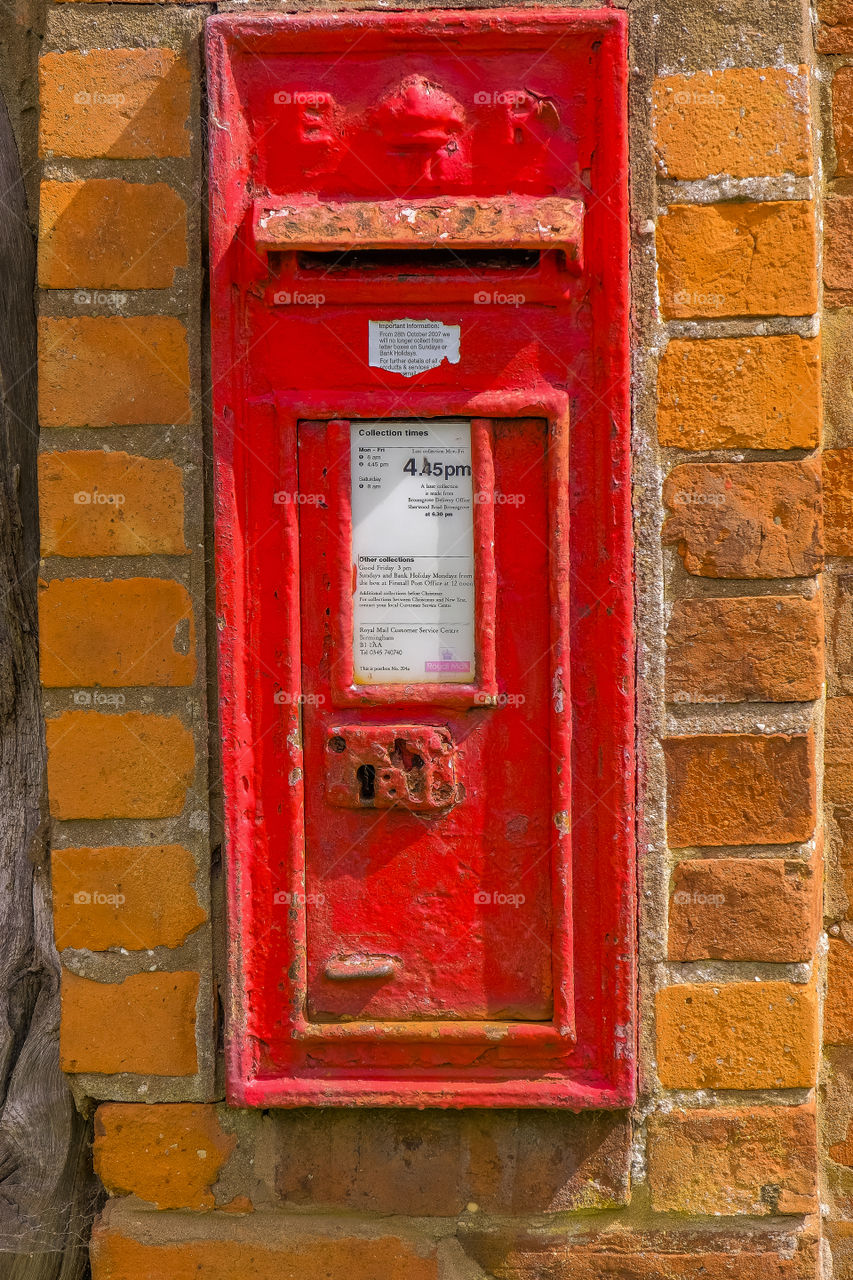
[(429, 828)]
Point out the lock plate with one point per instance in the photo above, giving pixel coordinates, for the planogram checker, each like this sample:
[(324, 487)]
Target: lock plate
[(406, 766)]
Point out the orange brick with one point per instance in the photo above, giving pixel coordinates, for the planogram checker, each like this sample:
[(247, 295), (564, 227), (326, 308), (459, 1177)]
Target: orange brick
[(740, 393), (835, 32), (305, 1251), (744, 909), (838, 250), (131, 631), (753, 648), (740, 788), (746, 519), (759, 1161), (838, 1006), (133, 765), (745, 121), (738, 259), (837, 468), (631, 1253), (126, 103), (115, 896), (838, 751), (93, 503), (105, 371), (737, 1035), (842, 119), (169, 1154), (145, 1024), (106, 233)]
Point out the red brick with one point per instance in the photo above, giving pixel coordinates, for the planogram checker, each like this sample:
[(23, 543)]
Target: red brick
[(758, 1161), (838, 250), (746, 519), (632, 1254), (505, 1161), (740, 789), (145, 1024), (837, 467), (838, 1004), (104, 233), (744, 909), (838, 751), (754, 648)]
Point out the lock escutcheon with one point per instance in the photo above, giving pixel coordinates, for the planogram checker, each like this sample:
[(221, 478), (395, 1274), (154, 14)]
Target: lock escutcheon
[(391, 766)]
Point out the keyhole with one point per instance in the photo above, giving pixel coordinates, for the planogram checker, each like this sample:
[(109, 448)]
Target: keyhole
[(366, 774)]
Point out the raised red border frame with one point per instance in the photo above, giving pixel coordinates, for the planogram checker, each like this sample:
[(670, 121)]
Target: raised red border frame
[(600, 1071)]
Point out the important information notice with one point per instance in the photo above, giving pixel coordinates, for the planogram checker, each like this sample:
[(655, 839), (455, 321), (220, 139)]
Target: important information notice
[(411, 347), (413, 552)]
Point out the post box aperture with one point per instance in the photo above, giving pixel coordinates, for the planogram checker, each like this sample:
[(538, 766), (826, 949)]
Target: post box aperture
[(419, 228)]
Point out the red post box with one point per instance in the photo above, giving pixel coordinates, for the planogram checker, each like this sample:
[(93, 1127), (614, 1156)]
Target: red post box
[(419, 304)]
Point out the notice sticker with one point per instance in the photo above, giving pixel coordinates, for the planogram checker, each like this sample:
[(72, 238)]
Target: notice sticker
[(413, 552), (411, 346)]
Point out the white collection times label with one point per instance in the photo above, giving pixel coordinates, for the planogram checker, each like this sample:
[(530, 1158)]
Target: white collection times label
[(413, 552)]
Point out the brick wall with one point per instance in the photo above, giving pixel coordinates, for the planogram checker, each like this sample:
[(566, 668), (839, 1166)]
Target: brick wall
[(715, 1173)]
